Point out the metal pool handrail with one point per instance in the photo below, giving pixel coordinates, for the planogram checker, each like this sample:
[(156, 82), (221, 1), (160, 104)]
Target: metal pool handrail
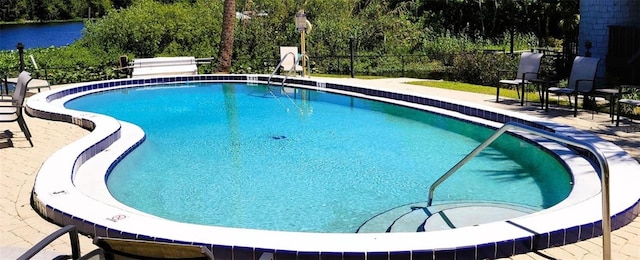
[(286, 76), (604, 172), (295, 61)]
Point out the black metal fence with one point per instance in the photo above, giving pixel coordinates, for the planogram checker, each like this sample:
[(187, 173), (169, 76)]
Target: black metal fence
[(431, 66), (401, 65)]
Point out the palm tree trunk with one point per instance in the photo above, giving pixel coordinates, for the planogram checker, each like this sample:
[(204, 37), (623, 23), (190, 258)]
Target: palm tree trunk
[(226, 38)]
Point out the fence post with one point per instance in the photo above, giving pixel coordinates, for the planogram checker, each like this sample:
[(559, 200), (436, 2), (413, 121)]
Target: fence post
[(511, 32), (351, 47), (20, 47), (402, 60)]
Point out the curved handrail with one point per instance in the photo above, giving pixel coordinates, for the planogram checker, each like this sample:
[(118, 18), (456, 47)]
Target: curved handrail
[(604, 172), (293, 67), (286, 76)]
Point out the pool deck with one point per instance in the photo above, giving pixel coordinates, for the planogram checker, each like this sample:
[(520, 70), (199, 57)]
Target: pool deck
[(21, 227)]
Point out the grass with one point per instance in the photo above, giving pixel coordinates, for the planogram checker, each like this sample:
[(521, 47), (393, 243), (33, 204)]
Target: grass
[(341, 76), (451, 85), (532, 96), (504, 92)]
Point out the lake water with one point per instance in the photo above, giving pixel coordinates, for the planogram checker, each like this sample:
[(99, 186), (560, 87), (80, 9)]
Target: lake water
[(39, 35)]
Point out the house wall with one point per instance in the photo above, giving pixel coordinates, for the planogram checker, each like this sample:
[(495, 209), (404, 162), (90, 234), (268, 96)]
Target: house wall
[(596, 16)]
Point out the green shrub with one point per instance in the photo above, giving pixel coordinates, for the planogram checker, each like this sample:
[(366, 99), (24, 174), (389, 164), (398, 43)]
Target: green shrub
[(150, 29), (387, 41), (61, 65), (482, 68), (9, 62)]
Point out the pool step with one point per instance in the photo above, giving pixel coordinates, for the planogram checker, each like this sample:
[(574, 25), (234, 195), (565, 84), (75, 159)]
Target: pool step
[(410, 222), (418, 217)]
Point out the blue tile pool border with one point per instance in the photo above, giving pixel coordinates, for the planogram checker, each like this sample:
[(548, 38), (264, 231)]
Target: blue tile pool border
[(498, 249)]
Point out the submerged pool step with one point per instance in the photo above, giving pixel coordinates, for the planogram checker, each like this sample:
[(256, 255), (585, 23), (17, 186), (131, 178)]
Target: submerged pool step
[(472, 215), (381, 222), (418, 217), (410, 222)]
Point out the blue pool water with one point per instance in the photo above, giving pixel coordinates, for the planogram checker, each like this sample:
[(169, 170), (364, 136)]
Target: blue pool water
[(234, 155)]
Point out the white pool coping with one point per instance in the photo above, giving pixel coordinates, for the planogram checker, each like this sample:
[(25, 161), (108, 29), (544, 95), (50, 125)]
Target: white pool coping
[(84, 196)]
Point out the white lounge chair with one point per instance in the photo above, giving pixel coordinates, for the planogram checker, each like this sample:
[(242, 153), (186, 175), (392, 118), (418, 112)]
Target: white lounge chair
[(291, 63), (528, 69), (164, 66), (581, 80)]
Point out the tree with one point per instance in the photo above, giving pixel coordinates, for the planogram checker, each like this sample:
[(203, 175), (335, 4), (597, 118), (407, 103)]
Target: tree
[(226, 37), (12, 10)]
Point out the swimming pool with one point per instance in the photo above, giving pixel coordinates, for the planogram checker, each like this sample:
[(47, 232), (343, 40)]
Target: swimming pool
[(313, 161), (577, 218)]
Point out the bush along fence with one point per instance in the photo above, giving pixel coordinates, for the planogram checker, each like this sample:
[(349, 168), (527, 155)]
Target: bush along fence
[(403, 65), (477, 67), (471, 67)]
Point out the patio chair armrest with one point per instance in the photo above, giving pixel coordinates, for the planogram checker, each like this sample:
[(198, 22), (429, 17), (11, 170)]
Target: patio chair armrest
[(622, 88), (501, 72), (73, 236)]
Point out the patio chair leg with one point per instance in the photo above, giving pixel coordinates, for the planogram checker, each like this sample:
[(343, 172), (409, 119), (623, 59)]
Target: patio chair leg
[(523, 96), (612, 103), (498, 93), (618, 116), (25, 130), (541, 96), (575, 106), (546, 102)]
